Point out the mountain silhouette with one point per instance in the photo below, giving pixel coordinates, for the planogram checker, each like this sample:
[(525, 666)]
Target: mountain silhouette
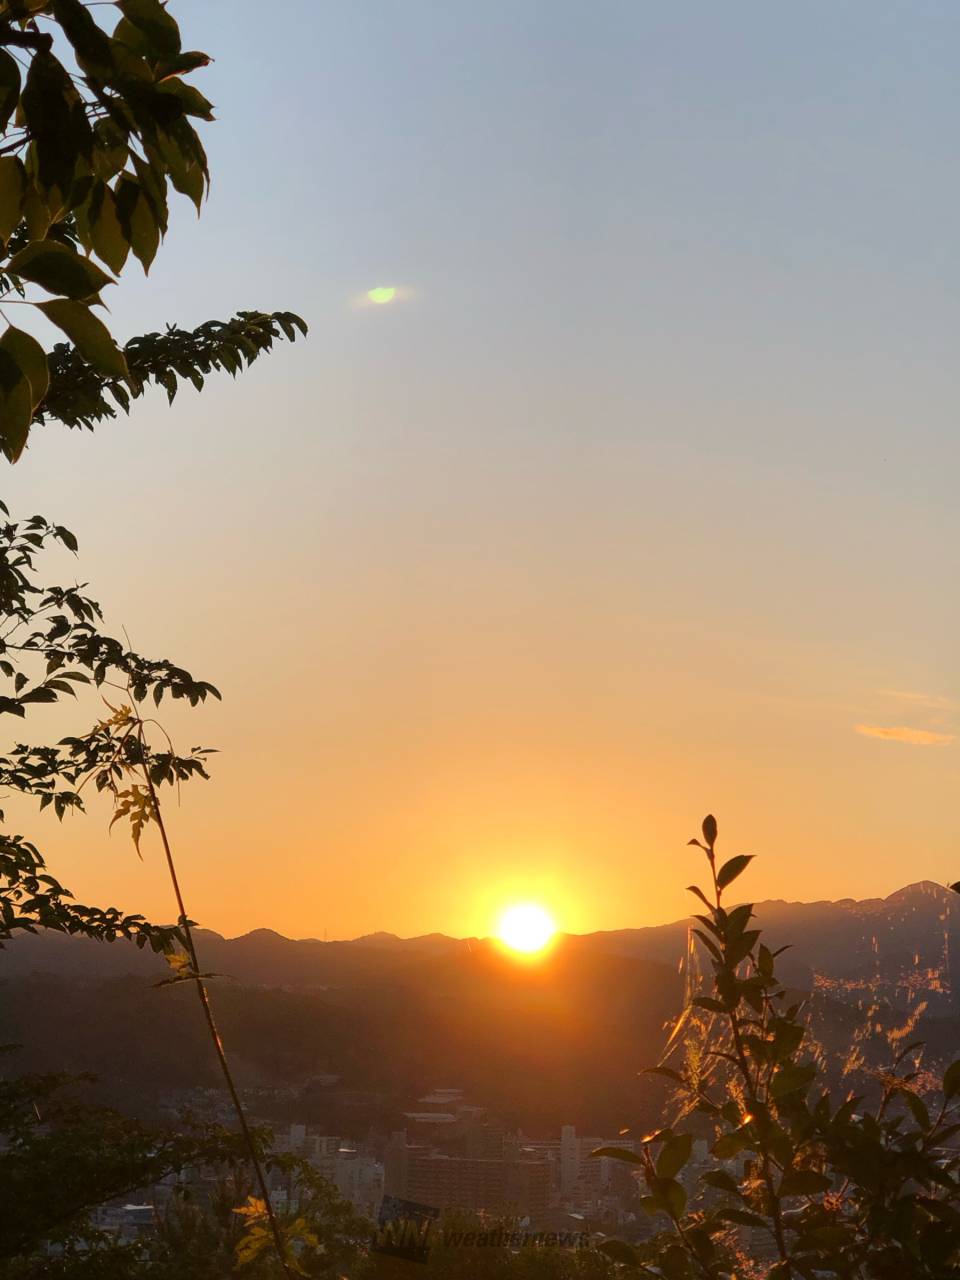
[(560, 1040)]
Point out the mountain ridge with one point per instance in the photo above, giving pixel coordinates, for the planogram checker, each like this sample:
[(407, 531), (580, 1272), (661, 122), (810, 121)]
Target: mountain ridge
[(891, 939)]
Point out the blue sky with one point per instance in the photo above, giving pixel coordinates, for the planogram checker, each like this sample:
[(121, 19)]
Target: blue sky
[(638, 502)]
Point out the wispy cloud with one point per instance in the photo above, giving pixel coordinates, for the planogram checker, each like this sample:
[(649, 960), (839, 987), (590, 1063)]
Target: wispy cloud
[(903, 733), (933, 701)]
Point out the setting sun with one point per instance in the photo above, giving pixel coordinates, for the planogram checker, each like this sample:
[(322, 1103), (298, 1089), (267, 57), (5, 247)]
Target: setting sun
[(526, 927)]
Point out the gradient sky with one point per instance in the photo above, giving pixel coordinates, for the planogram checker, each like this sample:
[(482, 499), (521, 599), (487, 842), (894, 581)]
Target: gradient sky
[(640, 501)]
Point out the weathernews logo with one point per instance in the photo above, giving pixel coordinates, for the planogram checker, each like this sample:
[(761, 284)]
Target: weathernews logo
[(409, 1230)]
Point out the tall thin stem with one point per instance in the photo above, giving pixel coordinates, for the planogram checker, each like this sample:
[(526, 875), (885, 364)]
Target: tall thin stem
[(204, 998), (743, 1066)]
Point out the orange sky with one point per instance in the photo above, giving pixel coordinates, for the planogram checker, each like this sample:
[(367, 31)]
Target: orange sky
[(637, 501)]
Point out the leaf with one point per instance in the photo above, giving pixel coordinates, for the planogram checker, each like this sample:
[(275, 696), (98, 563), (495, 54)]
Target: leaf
[(109, 242), (56, 117), (16, 406), (918, 1109), (731, 869), (13, 183), (89, 335), (692, 888), (669, 1195), (137, 221), (58, 269), (709, 829), (729, 1145), (721, 1181), (90, 42), (674, 1155), (184, 63), (191, 100), (803, 1182), (743, 1216), (9, 87), (951, 1080), (617, 1153), (708, 1003), (667, 1072), (791, 1078), (156, 24), (620, 1251), (739, 918), (31, 358)]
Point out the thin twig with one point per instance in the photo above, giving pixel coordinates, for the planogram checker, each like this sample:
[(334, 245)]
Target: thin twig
[(204, 997)]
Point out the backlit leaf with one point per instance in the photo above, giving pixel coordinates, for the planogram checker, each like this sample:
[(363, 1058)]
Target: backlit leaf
[(157, 26), (89, 335), (13, 183), (9, 87), (31, 358), (731, 869), (59, 270), (16, 406)]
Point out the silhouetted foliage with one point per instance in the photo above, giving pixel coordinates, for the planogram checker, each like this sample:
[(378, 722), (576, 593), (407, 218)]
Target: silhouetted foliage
[(839, 1189), (96, 127)]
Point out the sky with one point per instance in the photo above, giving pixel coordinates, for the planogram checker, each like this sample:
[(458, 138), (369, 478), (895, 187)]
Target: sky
[(638, 501)]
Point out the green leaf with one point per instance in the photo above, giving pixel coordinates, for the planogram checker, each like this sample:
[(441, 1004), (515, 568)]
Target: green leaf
[(803, 1182), (109, 242), (89, 335), (709, 829), (56, 117), (674, 1155), (16, 407), (731, 869), (9, 87), (58, 269), (13, 183), (184, 63), (191, 100), (137, 220), (156, 24), (90, 42), (31, 358)]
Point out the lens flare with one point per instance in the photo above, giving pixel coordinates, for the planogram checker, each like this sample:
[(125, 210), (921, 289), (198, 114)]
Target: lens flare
[(526, 927), (382, 294)]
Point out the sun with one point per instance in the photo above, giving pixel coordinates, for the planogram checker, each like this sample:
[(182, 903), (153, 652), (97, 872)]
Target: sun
[(526, 927)]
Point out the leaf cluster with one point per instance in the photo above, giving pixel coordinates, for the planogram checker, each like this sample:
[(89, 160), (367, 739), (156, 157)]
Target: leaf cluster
[(61, 1156), (97, 128), (848, 1189), (52, 646)]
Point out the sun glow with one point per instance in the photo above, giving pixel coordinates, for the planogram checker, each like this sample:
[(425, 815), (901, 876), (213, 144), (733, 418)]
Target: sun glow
[(526, 927)]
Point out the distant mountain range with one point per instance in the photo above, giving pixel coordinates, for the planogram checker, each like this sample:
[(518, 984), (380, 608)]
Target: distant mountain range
[(561, 1040), (886, 940)]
